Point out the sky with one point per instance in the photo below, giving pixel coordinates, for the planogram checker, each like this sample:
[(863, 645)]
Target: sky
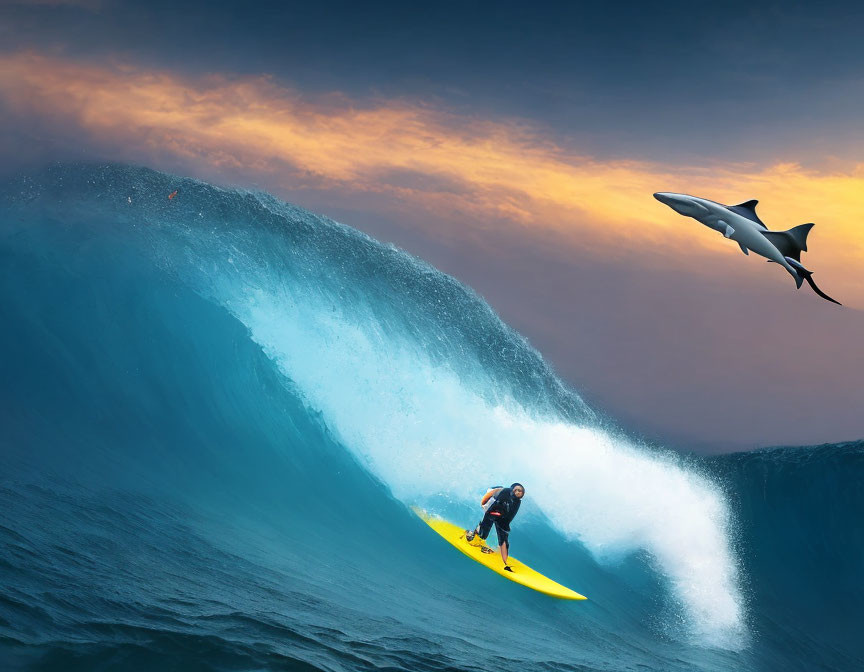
[(517, 146)]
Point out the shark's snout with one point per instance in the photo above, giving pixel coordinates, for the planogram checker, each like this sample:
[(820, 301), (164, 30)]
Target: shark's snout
[(681, 203)]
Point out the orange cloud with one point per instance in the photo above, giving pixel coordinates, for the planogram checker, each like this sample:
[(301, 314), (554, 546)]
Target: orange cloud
[(495, 173)]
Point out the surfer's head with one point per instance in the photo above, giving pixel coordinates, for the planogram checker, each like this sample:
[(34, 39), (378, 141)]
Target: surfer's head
[(518, 490)]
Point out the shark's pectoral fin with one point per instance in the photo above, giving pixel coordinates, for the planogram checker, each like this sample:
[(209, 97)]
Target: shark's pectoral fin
[(724, 228), (744, 249)]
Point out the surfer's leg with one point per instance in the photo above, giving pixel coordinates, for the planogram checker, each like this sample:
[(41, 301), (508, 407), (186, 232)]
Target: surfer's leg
[(503, 542), (485, 526), (482, 529)]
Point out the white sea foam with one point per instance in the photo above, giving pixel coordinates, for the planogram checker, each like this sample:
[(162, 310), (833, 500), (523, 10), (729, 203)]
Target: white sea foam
[(424, 427)]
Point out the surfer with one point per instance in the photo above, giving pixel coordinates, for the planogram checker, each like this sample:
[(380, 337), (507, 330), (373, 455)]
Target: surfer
[(501, 505)]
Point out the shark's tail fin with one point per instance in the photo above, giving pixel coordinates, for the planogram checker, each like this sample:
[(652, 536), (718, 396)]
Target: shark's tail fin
[(804, 274)]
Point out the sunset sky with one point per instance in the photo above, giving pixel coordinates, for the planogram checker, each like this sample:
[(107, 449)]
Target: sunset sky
[(517, 146)]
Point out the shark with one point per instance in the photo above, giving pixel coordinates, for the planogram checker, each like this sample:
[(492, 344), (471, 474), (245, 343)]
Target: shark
[(741, 224)]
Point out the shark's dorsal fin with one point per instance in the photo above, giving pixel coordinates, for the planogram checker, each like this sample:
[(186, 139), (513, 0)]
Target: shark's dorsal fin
[(747, 209)]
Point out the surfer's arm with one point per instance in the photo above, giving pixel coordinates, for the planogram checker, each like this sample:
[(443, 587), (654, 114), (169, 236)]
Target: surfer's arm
[(489, 495)]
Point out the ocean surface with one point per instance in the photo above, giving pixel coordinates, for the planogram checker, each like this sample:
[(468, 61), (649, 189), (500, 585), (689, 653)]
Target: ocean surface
[(217, 409)]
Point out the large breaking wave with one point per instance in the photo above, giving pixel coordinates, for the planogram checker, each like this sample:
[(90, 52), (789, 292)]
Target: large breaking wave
[(239, 368)]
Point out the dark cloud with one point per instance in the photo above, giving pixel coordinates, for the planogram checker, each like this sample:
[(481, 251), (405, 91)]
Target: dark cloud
[(656, 80)]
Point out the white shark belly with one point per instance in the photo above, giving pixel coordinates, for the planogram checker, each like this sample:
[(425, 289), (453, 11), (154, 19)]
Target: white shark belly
[(752, 239)]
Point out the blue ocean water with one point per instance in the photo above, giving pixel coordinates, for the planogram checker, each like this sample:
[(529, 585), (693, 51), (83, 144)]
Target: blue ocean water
[(217, 410)]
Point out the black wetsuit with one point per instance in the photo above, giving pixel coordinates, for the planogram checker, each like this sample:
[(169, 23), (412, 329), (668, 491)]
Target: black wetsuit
[(500, 514)]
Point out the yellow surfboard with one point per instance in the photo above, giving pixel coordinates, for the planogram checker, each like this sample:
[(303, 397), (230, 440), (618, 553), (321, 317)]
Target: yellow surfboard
[(521, 573)]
